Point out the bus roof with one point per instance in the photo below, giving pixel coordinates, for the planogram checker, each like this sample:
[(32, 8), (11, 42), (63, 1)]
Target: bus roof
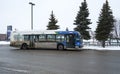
[(45, 32)]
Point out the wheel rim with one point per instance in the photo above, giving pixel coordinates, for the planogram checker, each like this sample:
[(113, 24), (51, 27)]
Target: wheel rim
[(24, 46), (60, 47)]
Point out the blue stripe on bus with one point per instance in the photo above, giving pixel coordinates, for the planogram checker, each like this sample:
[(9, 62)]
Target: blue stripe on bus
[(66, 32)]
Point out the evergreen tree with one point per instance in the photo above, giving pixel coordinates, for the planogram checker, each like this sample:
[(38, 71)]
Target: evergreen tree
[(82, 21), (52, 23), (105, 24)]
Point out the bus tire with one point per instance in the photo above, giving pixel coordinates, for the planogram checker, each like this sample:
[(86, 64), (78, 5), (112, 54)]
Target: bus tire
[(24, 46), (60, 47)]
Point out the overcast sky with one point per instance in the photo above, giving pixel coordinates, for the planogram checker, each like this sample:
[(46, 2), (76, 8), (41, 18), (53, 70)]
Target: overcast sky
[(18, 13)]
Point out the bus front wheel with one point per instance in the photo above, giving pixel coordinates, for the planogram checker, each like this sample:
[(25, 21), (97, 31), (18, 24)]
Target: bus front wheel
[(60, 47), (24, 46)]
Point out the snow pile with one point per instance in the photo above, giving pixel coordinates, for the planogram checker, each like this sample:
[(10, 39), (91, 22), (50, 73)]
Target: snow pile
[(4, 42), (101, 48)]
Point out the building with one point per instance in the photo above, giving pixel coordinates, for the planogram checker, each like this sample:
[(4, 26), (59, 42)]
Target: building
[(2, 37)]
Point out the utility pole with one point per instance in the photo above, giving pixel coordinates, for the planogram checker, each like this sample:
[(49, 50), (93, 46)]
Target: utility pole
[(32, 4)]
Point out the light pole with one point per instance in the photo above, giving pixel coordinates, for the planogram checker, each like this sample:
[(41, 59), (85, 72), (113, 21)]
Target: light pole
[(32, 4)]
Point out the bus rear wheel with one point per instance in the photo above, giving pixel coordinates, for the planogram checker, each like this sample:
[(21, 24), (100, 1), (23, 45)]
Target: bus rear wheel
[(24, 46), (60, 47)]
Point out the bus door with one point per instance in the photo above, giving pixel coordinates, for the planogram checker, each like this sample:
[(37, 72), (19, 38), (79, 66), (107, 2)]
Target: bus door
[(31, 41), (70, 41)]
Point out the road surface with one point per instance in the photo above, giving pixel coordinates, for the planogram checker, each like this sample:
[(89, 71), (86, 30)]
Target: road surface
[(41, 61)]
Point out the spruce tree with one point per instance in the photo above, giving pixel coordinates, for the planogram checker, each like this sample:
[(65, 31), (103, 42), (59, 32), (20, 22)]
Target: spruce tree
[(52, 23), (82, 21), (105, 24)]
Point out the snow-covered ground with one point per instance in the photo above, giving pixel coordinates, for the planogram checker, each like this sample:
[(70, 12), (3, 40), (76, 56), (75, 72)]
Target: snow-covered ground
[(101, 48), (85, 47), (89, 44), (4, 42)]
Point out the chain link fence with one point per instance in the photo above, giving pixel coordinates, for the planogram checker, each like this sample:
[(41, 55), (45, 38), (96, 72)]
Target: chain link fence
[(97, 43)]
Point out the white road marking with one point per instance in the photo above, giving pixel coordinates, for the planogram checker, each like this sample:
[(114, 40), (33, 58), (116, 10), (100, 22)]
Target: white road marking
[(17, 70)]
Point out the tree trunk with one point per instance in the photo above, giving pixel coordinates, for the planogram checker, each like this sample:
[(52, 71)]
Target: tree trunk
[(103, 44), (117, 41), (110, 42)]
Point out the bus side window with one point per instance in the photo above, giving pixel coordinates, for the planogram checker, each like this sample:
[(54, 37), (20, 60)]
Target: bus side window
[(42, 37), (51, 37), (25, 38), (60, 38), (36, 38)]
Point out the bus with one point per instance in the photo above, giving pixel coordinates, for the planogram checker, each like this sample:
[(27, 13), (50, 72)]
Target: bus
[(46, 39)]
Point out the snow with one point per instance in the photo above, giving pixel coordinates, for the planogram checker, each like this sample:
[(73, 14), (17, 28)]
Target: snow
[(84, 48), (4, 42), (90, 44), (101, 48)]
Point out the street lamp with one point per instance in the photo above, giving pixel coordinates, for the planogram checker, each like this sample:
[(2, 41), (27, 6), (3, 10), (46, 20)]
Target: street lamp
[(32, 4)]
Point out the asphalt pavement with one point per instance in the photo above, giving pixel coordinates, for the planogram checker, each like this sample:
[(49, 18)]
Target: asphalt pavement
[(49, 61)]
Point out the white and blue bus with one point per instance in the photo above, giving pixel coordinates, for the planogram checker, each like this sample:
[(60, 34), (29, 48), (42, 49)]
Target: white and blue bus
[(46, 39)]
